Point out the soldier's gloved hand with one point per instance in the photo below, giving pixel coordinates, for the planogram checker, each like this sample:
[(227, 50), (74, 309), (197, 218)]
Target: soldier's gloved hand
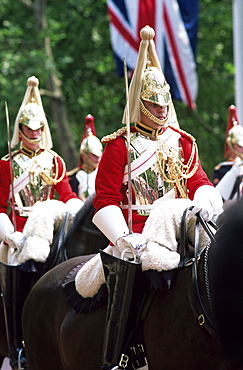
[(73, 205), (205, 208), (15, 239), (203, 212), (131, 246)]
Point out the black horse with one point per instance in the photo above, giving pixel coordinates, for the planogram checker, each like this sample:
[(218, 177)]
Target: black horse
[(81, 238), (192, 325)]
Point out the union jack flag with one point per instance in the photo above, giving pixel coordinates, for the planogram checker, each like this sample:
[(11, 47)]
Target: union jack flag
[(175, 23)]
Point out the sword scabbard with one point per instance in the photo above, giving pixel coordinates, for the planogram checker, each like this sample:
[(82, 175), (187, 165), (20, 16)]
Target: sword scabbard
[(129, 182)]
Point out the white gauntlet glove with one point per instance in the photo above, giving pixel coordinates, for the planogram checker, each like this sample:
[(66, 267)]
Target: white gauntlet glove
[(131, 246), (207, 199), (15, 240), (204, 213), (74, 205), (226, 184), (237, 168), (112, 223)]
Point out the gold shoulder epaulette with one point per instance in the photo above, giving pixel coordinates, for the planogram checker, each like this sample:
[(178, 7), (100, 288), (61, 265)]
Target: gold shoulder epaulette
[(217, 167), (114, 135), (184, 133), (6, 157), (222, 164)]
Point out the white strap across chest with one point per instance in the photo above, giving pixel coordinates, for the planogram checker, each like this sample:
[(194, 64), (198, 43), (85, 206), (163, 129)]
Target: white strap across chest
[(36, 166), (148, 158)]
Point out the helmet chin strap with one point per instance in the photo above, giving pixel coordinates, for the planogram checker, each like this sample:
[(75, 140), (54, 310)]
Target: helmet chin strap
[(31, 141), (147, 113)]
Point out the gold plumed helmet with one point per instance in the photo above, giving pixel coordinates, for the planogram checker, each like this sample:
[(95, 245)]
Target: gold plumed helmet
[(234, 138), (154, 87), (149, 83), (31, 114), (90, 143), (234, 134)]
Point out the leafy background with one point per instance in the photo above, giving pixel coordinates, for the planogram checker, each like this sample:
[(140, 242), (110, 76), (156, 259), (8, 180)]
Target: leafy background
[(66, 44)]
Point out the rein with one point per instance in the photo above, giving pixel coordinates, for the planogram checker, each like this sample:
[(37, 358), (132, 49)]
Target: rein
[(197, 305)]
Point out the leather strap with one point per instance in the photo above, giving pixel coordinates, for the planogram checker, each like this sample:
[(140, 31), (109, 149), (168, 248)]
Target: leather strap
[(197, 305), (186, 257), (192, 260)]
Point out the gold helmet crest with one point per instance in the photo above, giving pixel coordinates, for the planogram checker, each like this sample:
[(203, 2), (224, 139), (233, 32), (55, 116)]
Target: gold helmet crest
[(31, 114), (149, 83)]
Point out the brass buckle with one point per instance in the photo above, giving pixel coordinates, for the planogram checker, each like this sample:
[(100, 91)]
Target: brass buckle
[(123, 361), (201, 320)]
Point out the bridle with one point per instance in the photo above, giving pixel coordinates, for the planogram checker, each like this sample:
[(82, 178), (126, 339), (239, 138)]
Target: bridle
[(201, 306)]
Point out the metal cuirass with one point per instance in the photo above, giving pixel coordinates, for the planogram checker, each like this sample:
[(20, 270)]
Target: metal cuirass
[(158, 168), (148, 182), (29, 183)]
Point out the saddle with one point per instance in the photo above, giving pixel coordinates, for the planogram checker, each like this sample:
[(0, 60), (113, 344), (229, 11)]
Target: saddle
[(154, 281)]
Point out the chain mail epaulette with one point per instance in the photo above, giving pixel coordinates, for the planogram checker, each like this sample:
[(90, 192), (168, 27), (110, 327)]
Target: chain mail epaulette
[(6, 157), (114, 136), (184, 133)]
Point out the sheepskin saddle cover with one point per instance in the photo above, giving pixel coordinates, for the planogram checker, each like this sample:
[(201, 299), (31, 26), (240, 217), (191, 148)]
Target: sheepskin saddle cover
[(156, 280), (79, 303), (162, 232)]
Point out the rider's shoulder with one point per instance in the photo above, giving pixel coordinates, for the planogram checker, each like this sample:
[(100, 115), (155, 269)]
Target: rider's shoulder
[(115, 135), (52, 152), (6, 157), (183, 134)]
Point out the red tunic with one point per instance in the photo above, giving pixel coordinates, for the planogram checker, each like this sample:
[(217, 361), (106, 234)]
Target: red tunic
[(109, 187), (63, 189)]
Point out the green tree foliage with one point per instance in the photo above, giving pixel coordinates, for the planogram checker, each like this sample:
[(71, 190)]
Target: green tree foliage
[(83, 62)]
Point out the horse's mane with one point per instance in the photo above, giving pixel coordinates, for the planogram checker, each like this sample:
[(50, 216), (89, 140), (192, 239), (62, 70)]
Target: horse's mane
[(83, 237), (86, 209)]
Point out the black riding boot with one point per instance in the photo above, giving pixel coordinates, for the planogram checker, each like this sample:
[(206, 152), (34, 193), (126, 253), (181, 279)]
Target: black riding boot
[(120, 276), (15, 286)]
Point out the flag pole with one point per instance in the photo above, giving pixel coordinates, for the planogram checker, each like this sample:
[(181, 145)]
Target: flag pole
[(238, 56), (129, 181)]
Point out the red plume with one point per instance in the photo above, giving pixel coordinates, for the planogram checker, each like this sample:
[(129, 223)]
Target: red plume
[(88, 126)]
